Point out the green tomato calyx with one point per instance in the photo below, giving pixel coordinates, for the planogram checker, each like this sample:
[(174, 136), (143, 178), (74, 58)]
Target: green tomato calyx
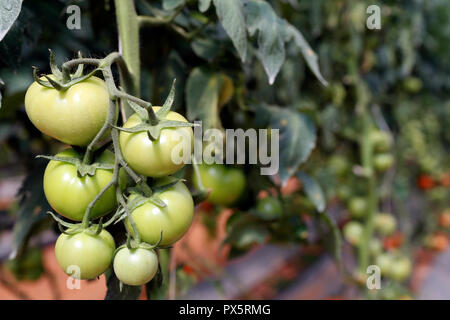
[(83, 169), (62, 81), (152, 122)]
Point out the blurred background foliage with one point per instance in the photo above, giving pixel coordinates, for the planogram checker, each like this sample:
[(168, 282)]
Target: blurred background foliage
[(400, 72)]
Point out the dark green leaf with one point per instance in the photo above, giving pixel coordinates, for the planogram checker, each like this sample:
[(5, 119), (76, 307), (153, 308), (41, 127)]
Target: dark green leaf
[(114, 292), (292, 33), (172, 4), (207, 49), (203, 5), (297, 137), (337, 238), (9, 11), (261, 18), (313, 191), (156, 289), (202, 97), (231, 17), (32, 208)]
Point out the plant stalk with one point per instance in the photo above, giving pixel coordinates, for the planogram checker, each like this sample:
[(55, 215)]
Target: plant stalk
[(128, 26)]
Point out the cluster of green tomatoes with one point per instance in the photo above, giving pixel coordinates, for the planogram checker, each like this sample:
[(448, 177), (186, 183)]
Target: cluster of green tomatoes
[(81, 184), (393, 264)]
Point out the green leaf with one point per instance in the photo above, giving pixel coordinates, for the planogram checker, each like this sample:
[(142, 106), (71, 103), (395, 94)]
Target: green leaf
[(114, 292), (202, 97), (157, 288), (32, 208), (9, 11), (244, 230), (207, 49), (297, 137), (261, 18), (203, 5), (172, 4), (313, 191), (231, 16), (293, 34), (337, 238)]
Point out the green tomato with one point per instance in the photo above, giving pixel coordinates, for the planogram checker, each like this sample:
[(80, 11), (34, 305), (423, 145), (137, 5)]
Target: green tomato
[(385, 262), (135, 267), (156, 158), (383, 161), (357, 207), (385, 223), (73, 116), (269, 208), (353, 231), (412, 84), (339, 165), (84, 255), (344, 192), (400, 269), (69, 194), (381, 140), (173, 220), (375, 247), (227, 184)]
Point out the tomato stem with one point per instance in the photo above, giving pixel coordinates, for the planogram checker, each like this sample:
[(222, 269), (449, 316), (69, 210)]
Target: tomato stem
[(129, 47), (114, 182)]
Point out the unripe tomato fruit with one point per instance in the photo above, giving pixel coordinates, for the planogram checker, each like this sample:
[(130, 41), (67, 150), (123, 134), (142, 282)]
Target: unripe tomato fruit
[(353, 231), (383, 161), (69, 195), (156, 158), (173, 220), (73, 116), (412, 84), (344, 192), (357, 207), (401, 269), (375, 247), (91, 254), (226, 183), (381, 140), (135, 267), (385, 223), (385, 262), (339, 165), (269, 208)]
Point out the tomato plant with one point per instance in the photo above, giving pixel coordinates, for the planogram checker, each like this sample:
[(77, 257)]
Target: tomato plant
[(330, 123)]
